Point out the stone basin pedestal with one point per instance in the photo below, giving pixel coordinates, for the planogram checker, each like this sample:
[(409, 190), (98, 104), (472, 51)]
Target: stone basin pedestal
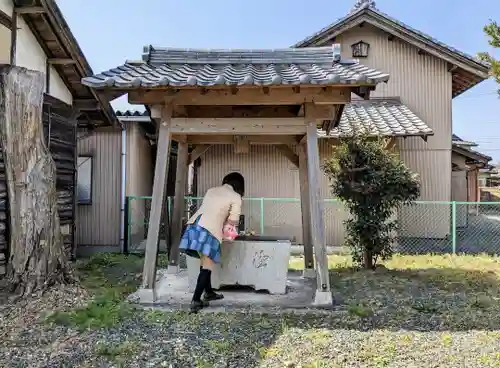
[(249, 261)]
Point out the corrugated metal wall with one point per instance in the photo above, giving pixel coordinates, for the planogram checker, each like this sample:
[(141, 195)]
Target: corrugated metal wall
[(140, 169), (425, 86), (269, 174), (99, 222)]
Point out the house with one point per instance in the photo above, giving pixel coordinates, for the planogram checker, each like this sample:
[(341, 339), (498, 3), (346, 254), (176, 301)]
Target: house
[(466, 168), (34, 35), (489, 177), (425, 77)]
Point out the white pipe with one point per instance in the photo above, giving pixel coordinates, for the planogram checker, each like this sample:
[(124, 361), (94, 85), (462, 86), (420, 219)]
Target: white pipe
[(123, 193)]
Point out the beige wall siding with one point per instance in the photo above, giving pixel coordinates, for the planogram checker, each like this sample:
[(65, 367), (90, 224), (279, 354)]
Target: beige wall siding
[(269, 174), (99, 223), (29, 54), (4, 45), (139, 176), (424, 84)]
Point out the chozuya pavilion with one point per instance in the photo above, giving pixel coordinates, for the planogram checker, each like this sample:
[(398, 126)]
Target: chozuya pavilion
[(283, 97)]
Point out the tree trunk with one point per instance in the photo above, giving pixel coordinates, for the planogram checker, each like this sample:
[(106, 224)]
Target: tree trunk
[(37, 258), (368, 259)]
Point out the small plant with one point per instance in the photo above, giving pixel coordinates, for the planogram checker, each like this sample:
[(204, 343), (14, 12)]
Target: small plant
[(359, 310), (119, 352), (373, 183)]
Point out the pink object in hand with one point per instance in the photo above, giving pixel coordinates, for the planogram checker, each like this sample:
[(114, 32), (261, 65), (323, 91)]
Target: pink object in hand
[(229, 232)]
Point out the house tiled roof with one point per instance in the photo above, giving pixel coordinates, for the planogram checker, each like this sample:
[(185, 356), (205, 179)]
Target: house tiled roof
[(370, 6), (456, 140), (380, 117), (377, 117), (163, 67)]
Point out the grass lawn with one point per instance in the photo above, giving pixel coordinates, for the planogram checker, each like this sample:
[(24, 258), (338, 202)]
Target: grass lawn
[(414, 311)]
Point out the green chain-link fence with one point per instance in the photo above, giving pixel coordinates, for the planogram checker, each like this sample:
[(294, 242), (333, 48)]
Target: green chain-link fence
[(423, 227)]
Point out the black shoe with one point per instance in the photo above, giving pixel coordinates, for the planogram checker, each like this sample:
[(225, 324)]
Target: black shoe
[(209, 297), (197, 306)]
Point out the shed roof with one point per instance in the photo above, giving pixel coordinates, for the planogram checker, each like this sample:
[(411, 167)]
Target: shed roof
[(57, 41), (470, 154), (163, 67), (380, 117), (467, 70)]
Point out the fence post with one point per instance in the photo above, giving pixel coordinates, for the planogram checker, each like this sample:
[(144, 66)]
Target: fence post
[(454, 227), (262, 216)]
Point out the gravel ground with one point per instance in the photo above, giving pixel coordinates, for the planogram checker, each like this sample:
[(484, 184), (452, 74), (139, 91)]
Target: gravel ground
[(435, 311)]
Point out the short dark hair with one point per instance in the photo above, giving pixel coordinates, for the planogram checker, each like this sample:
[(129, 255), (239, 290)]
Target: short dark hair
[(235, 180)]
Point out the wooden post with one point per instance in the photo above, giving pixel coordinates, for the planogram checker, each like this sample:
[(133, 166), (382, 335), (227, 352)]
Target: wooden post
[(179, 205), (157, 203), (323, 293), (13, 37), (306, 213)]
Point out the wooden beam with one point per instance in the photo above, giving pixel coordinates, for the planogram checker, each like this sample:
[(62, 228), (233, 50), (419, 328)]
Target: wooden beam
[(253, 139), (30, 10), (179, 205), (197, 152), (323, 291), (157, 200), (237, 111), (13, 37), (334, 120), (238, 126), (243, 96), (391, 142), (60, 61), (241, 144), (305, 210), (87, 104), (288, 153)]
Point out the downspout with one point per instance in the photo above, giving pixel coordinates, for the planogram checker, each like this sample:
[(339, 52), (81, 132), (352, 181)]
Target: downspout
[(123, 192)]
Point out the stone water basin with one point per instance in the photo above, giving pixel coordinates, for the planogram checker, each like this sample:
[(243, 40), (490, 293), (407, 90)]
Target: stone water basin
[(260, 262)]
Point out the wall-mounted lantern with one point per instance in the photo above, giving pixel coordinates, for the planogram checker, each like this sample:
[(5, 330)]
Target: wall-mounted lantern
[(360, 49)]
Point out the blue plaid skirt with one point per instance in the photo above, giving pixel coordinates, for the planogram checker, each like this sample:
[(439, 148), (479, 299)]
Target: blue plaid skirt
[(197, 240)]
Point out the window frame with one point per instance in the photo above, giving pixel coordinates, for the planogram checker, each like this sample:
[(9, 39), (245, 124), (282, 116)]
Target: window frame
[(85, 202)]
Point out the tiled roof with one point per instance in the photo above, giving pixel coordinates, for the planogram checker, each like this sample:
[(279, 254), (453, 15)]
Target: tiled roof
[(380, 117), (187, 67), (369, 7), (469, 152), (131, 113), (456, 140)]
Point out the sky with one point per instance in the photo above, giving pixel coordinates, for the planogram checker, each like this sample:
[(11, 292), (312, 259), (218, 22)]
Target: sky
[(112, 31)]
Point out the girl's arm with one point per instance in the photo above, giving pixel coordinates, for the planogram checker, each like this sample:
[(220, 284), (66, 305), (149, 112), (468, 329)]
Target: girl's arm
[(235, 212)]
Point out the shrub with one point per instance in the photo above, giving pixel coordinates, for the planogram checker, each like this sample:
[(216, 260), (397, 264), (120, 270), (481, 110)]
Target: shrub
[(372, 182)]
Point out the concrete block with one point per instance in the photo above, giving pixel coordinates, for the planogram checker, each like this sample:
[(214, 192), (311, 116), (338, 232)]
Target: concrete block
[(143, 296), (262, 265), (323, 299)]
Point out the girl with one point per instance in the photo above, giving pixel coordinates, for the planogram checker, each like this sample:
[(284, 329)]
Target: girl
[(203, 235)]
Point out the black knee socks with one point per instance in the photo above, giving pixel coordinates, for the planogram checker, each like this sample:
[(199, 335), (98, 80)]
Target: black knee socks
[(208, 287), (201, 284)]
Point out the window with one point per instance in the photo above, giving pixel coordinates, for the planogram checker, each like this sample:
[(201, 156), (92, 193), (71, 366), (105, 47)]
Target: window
[(84, 184)]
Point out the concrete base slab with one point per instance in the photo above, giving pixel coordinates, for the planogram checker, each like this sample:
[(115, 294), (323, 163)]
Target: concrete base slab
[(143, 296), (323, 299), (172, 293), (309, 273), (172, 270)]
